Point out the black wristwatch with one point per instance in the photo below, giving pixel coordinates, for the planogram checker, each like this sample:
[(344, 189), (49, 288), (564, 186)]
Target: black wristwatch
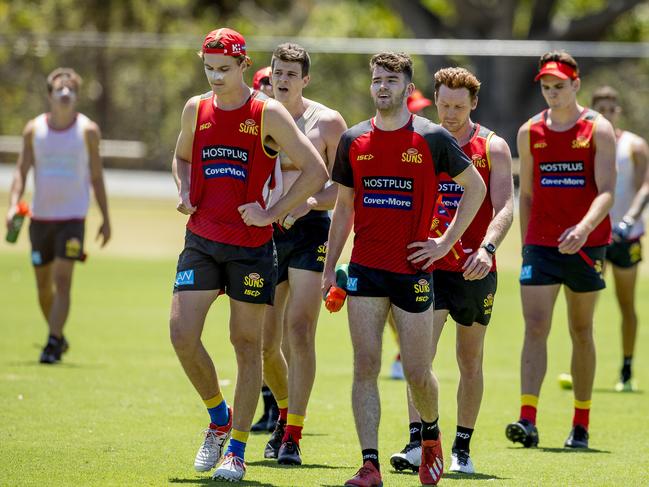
[(489, 247)]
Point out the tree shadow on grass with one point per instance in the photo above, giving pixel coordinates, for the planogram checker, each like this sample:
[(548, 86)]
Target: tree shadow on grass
[(210, 481), (273, 464), (474, 476), (602, 390), (65, 364)]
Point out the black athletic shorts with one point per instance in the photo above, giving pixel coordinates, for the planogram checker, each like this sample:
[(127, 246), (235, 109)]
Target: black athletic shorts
[(244, 273), (410, 292), (624, 254), (62, 239), (468, 302), (303, 246), (546, 265)]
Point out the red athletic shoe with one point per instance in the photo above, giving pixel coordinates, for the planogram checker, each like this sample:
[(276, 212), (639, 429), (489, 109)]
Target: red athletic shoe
[(367, 476), (432, 462)]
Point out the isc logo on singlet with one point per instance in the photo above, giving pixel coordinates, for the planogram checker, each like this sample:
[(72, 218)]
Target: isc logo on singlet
[(249, 127)]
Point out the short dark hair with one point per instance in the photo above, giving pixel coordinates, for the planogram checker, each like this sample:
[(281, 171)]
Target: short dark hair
[(290, 52), (605, 93), (559, 56), (397, 62), (456, 78), (68, 73)]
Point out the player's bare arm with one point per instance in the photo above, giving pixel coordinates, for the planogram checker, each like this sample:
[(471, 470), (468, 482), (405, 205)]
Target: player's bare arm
[(181, 164), (93, 138), (24, 164), (436, 248), (501, 193), (342, 221), (279, 130), (525, 178), (640, 155), (573, 238)]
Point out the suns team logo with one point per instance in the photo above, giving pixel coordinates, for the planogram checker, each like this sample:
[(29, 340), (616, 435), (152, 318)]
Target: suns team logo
[(581, 142), (412, 155), (253, 283), (73, 247), (487, 303), (321, 251), (478, 160), (249, 127), (540, 145), (598, 266), (422, 287)]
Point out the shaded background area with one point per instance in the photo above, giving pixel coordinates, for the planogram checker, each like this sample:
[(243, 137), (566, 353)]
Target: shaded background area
[(137, 58)]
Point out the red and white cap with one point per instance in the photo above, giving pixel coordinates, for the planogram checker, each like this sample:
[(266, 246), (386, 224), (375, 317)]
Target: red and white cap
[(260, 75), (233, 43), (558, 69)]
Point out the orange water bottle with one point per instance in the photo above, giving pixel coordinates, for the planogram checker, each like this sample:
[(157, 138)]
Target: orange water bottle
[(337, 294), (22, 211)]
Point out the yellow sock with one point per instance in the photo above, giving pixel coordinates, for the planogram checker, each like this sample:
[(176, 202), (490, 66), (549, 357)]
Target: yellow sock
[(241, 436), (282, 403), (582, 404), (529, 400), (213, 401), (295, 420)]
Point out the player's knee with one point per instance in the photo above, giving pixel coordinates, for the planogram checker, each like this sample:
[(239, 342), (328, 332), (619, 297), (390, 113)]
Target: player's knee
[(302, 343), (270, 352), (536, 327), (417, 377), (182, 340), (581, 334), (246, 345), (470, 366), (62, 283), (366, 367)]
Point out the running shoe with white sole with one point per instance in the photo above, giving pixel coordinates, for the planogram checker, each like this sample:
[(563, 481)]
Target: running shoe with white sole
[(461, 462), (232, 469), (407, 459), (211, 450)]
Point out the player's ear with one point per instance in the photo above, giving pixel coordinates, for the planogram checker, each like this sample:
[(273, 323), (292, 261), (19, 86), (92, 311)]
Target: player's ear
[(410, 88), (305, 80), (474, 102), (576, 84)]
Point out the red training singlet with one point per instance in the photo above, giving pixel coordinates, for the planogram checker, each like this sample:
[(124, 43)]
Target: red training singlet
[(394, 175), (563, 185), (477, 149), (230, 167)]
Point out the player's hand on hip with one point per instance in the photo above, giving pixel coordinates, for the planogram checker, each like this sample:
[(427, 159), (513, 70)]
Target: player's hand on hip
[(253, 214), (572, 239), (429, 251), (328, 280), (104, 233), (184, 205), (478, 265)]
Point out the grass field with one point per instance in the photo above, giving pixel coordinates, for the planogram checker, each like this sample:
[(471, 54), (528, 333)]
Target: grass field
[(119, 410)]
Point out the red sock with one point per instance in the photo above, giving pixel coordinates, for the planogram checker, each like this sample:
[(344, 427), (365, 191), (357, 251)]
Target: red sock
[(283, 414), (294, 432), (581, 417), (528, 413)]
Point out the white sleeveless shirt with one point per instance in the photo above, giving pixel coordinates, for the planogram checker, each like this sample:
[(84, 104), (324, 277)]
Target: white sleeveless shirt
[(61, 170), (625, 185)]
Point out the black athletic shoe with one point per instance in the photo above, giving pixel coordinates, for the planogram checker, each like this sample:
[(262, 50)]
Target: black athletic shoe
[(262, 424), (523, 432), (578, 437), (275, 441), (289, 453), (53, 350)]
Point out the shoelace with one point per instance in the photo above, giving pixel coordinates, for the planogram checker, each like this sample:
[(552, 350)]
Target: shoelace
[(462, 458), (364, 471), (234, 460), (410, 446)]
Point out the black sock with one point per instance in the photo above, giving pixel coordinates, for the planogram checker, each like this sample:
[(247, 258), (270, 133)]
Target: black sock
[(268, 398), (429, 431), (462, 438), (415, 432), (626, 368), (372, 456)]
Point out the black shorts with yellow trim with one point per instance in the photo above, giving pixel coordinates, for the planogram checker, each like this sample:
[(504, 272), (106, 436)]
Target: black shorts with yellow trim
[(56, 239), (302, 246), (468, 302), (245, 273), (624, 254), (410, 292), (581, 272)]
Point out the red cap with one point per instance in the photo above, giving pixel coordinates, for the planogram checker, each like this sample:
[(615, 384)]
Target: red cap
[(558, 69), (233, 43), (417, 101), (259, 75)]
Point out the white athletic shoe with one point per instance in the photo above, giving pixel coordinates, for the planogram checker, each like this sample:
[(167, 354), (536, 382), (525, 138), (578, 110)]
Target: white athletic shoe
[(232, 469), (461, 462), (211, 450), (407, 459), (396, 371)]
